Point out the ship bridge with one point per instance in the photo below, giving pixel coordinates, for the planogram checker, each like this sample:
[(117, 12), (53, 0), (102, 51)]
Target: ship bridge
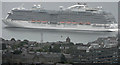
[(78, 7), (82, 7)]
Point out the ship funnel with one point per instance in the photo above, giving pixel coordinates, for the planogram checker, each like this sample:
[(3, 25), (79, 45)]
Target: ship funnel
[(100, 7), (35, 5), (61, 7), (39, 6)]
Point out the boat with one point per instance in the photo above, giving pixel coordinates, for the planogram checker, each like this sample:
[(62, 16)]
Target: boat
[(79, 17)]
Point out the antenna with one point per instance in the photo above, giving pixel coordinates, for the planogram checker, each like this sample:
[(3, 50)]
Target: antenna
[(79, 3), (22, 6), (41, 37), (84, 3)]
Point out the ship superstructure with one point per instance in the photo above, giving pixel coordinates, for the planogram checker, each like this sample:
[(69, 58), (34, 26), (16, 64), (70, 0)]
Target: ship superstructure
[(76, 17)]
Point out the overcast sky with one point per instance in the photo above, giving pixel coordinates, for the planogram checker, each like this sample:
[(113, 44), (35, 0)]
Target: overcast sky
[(60, 0)]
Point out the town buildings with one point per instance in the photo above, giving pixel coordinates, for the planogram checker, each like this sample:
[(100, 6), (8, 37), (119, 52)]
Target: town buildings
[(102, 50)]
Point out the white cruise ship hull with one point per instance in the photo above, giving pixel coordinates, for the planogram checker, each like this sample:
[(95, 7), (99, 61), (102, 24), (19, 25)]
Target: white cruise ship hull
[(28, 24)]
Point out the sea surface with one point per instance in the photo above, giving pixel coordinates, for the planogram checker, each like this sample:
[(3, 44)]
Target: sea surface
[(52, 35)]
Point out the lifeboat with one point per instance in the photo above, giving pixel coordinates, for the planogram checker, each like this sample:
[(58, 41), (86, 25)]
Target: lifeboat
[(68, 22), (74, 22), (38, 21), (33, 20), (87, 23), (44, 22), (62, 22), (81, 23)]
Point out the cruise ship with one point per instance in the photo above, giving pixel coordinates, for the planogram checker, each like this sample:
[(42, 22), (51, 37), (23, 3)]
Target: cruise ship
[(76, 17)]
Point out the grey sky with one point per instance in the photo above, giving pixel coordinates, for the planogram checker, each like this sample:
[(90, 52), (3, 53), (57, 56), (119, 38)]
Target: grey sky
[(60, 0), (0, 19)]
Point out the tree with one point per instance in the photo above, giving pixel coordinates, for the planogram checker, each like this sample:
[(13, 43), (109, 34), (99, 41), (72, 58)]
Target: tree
[(56, 48), (50, 49), (71, 43), (25, 41), (4, 46), (63, 59), (12, 39), (17, 52), (46, 48), (39, 50)]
